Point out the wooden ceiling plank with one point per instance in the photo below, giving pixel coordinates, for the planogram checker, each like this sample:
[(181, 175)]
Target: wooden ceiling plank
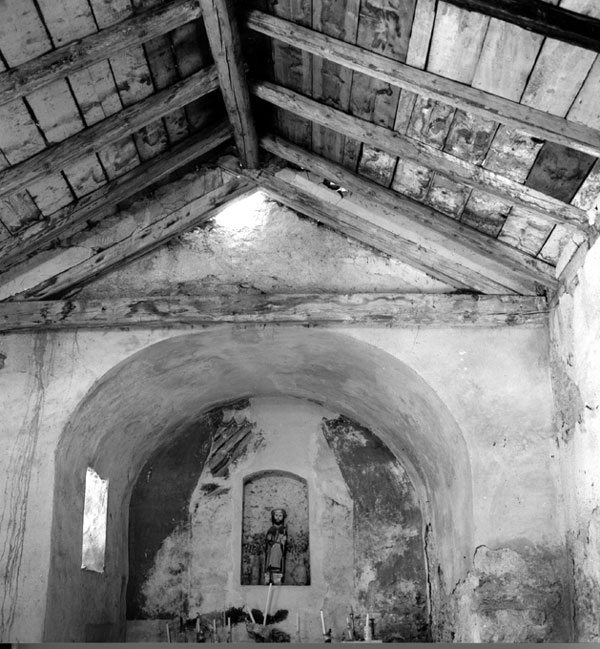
[(225, 44), (354, 309), (458, 170), (101, 202), (22, 32), (161, 61), (138, 232), (65, 60), (108, 131), (97, 97), (531, 120), (416, 57), (415, 215), (192, 53), (54, 105), (542, 18), (332, 82), (507, 58)]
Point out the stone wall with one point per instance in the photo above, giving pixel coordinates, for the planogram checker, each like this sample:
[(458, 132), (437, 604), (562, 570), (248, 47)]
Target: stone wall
[(575, 328)]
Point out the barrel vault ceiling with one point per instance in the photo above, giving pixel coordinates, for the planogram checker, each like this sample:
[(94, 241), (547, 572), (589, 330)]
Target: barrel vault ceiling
[(460, 136)]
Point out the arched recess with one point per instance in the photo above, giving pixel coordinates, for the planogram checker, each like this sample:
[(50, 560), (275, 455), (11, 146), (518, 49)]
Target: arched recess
[(161, 391)]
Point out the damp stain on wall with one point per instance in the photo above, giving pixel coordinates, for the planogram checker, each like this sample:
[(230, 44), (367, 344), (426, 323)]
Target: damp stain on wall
[(390, 576)]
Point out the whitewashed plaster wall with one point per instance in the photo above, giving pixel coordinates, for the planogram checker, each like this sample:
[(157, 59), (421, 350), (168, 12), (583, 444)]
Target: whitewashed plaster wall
[(495, 383), (575, 328)]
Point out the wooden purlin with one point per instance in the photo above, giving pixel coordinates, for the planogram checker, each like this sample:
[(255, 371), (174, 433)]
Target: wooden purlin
[(491, 256), (113, 244), (224, 39), (459, 170), (93, 48), (110, 130), (542, 18), (324, 309), (535, 121), (100, 204)]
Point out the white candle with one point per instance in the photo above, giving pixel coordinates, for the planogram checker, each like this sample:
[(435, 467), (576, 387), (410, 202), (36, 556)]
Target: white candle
[(323, 623), (214, 630), (168, 633), (198, 624), (367, 629), (297, 622), (267, 604)]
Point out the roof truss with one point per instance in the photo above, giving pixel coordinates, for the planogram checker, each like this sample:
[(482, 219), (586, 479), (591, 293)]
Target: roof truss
[(430, 241)]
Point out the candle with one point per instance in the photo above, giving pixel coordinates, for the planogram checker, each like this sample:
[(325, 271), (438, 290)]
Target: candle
[(267, 604), (214, 630), (198, 624), (323, 622), (250, 614), (367, 629), (297, 622), (168, 633)]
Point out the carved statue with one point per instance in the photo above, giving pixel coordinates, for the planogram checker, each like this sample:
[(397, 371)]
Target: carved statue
[(275, 546)]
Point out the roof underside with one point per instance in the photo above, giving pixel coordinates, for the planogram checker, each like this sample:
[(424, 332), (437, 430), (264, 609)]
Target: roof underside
[(461, 143)]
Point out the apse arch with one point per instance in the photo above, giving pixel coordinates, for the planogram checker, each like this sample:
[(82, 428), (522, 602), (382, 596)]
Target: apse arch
[(159, 392)]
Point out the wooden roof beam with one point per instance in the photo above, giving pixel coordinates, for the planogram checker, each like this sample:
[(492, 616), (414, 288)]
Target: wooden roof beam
[(535, 122), (110, 130), (100, 203), (406, 230), (322, 309), (460, 171), (80, 54), (425, 221), (225, 44), (542, 18), (108, 246)]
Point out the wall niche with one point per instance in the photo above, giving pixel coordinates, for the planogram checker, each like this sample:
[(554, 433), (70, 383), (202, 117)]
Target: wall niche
[(265, 492)]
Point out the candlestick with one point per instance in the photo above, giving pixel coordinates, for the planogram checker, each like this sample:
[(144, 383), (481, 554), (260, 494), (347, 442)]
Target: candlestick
[(323, 622)]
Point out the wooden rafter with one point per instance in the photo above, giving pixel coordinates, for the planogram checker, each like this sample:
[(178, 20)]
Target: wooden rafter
[(225, 44), (75, 56), (390, 141), (406, 208), (137, 233), (110, 130), (100, 203), (478, 102), (542, 18), (409, 231), (371, 309)]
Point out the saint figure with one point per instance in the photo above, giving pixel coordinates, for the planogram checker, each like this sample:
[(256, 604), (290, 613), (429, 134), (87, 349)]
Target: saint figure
[(275, 546)]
